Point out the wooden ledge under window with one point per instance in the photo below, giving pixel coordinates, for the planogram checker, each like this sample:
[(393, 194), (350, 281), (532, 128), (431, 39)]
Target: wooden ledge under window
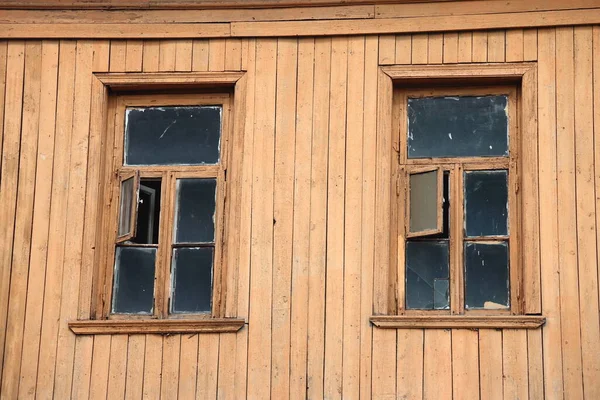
[(458, 321), (160, 326)]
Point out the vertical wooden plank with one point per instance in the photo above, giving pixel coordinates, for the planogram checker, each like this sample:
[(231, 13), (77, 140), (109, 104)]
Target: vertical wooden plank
[(208, 360), (301, 223), (419, 48), (134, 55), (151, 56), (183, 55), (535, 364), (352, 220), (465, 364), (586, 209), (437, 365), (410, 364), (514, 355), (384, 364), (84, 345), (553, 380), (10, 166), (261, 279), (167, 54), (530, 37), (200, 55), (233, 54), (465, 46), (117, 367), (216, 55), (283, 214), (100, 363), (435, 48), (387, 49), (75, 219), (567, 215), (170, 366), (134, 382), (318, 215), (450, 48), (403, 49), (58, 220), (490, 364), (152, 366), (118, 54), (514, 45), (596, 90), (226, 368), (480, 46), (368, 215), (41, 219), (3, 51), (334, 297), (496, 46), (25, 192)]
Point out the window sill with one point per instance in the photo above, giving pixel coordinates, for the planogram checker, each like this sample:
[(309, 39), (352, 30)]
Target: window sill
[(160, 326), (458, 321)]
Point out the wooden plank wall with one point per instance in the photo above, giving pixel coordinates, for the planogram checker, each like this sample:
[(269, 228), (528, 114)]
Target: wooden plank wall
[(308, 229)]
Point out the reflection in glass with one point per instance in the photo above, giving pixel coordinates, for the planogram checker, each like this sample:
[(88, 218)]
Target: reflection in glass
[(486, 203), (192, 279), (133, 288), (424, 201), (486, 275), (195, 211)]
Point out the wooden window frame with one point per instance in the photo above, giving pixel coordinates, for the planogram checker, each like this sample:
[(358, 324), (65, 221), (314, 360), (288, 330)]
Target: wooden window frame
[(395, 84), (112, 94)]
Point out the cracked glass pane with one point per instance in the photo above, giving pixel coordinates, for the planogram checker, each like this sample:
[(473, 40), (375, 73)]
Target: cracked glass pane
[(426, 262), (172, 135), (454, 126)]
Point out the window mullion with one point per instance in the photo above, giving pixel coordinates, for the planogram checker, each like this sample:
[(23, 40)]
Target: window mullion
[(456, 241), (163, 263)]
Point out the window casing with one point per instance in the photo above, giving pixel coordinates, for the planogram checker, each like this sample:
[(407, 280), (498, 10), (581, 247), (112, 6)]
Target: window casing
[(442, 231), (181, 220)]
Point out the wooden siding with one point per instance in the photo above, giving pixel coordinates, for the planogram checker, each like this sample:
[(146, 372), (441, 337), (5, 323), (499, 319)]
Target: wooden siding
[(310, 227)]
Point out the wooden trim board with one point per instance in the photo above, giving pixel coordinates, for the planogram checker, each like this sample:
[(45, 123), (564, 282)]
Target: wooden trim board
[(458, 322), (160, 326)]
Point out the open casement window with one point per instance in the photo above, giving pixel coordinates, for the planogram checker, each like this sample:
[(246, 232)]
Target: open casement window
[(425, 201), (163, 257), (128, 205), (458, 250)]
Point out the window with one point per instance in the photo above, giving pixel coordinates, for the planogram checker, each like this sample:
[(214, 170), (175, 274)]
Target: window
[(459, 232), (165, 233)]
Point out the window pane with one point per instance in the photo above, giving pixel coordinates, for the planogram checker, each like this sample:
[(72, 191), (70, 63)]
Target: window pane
[(172, 135), (486, 203), (486, 275), (148, 217), (126, 206), (426, 261), (441, 294), (192, 279), (133, 288), (195, 212), (424, 205), (457, 126)]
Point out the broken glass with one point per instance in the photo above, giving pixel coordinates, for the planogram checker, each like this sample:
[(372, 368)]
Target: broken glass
[(426, 262), (457, 126), (486, 203), (192, 279), (486, 275), (195, 211), (133, 288), (172, 135)]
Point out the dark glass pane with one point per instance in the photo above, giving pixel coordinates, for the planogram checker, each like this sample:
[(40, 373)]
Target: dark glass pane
[(192, 279), (441, 294), (148, 212), (486, 203), (424, 207), (133, 288), (426, 261), (172, 135), (457, 126), (194, 218), (486, 275), (126, 206)]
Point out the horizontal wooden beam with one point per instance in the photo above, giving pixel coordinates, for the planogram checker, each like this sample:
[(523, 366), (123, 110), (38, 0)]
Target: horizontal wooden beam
[(160, 326), (417, 24), (458, 322), (124, 81)]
